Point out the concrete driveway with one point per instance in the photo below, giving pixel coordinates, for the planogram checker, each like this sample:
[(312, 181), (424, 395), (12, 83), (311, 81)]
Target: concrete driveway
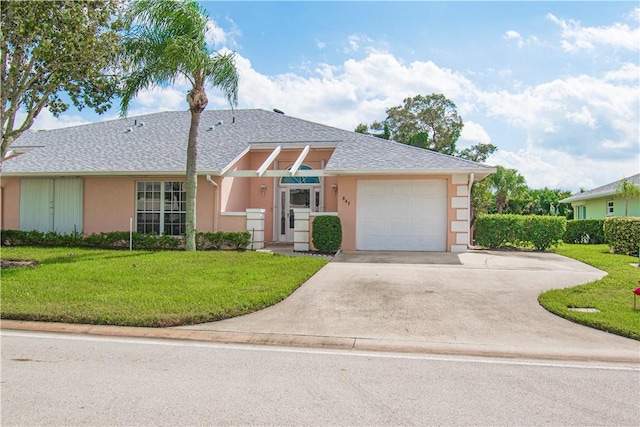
[(479, 302)]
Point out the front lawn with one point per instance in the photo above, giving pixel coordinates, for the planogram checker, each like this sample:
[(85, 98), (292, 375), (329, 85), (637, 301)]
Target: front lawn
[(612, 295), (158, 289)]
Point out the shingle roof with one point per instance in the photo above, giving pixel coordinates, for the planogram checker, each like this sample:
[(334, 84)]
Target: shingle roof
[(156, 143), (602, 191)]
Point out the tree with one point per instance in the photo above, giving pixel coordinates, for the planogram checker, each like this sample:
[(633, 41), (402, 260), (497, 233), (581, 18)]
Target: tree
[(51, 49), (477, 153), (165, 40), (546, 201), (431, 122), (507, 184), (364, 128), (628, 191)]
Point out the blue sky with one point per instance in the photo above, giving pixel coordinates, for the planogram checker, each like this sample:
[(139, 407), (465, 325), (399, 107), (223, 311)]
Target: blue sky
[(554, 85)]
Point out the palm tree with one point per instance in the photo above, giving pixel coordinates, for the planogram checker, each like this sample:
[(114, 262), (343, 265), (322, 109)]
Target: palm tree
[(507, 184), (628, 191), (165, 41)]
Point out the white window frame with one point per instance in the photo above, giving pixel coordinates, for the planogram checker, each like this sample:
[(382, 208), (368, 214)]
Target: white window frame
[(162, 207), (610, 208)]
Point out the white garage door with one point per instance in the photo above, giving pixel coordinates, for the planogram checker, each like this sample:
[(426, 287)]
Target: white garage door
[(402, 215)]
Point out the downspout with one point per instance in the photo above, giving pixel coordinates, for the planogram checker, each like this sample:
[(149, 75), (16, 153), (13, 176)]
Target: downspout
[(471, 178), (215, 202)]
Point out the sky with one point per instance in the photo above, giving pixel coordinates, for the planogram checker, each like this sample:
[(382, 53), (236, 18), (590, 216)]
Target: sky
[(554, 85)]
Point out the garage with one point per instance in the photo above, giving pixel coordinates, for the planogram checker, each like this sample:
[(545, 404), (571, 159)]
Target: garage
[(401, 215)]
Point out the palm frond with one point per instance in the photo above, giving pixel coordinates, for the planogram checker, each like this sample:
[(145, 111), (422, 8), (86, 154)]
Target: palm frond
[(167, 39)]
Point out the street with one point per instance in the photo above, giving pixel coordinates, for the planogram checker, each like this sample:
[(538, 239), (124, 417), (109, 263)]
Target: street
[(64, 379)]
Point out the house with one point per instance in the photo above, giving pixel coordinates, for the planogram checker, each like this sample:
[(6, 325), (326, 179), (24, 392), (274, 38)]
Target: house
[(258, 170), (603, 202)]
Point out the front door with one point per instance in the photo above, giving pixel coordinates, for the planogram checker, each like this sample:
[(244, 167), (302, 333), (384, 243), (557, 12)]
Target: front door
[(290, 199)]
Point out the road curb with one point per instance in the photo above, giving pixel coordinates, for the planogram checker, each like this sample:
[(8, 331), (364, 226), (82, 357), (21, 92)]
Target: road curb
[(327, 342)]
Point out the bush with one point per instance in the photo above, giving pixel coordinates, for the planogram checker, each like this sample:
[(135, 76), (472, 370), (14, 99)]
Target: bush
[(623, 234), (543, 231), (585, 231), (498, 230), (327, 233), (120, 240)]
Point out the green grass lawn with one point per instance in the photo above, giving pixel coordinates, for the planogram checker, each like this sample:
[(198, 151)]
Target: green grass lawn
[(157, 289), (612, 295)]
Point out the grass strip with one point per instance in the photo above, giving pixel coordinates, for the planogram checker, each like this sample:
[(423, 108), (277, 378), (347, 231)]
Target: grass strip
[(612, 295), (154, 289)]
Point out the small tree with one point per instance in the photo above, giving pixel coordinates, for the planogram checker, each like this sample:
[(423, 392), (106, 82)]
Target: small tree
[(48, 48), (507, 185), (628, 191)]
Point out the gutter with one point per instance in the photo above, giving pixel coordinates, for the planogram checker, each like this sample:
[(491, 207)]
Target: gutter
[(469, 186), (215, 201)]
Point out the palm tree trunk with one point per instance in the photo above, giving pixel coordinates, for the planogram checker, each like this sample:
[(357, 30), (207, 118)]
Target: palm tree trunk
[(197, 99), (192, 183)]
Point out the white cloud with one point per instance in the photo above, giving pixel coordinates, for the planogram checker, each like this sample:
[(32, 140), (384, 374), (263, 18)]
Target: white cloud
[(514, 35), (473, 133), (583, 117), (47, 121), (576, 37), (628, 71), (320, 44), (575, 113), (217, 37), (557, 169), (355, 41)]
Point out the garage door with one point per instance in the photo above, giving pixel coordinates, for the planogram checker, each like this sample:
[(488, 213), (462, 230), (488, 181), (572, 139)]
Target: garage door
[(401, 215)]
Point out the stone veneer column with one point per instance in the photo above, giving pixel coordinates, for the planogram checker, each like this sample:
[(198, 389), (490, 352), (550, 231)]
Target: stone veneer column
[(460, 202), (255, 226), (301, 229)]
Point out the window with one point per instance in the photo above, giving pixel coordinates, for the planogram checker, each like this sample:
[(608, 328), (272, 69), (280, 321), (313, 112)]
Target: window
[(581, 212), (300, 179), (610, 208), (161, 207)]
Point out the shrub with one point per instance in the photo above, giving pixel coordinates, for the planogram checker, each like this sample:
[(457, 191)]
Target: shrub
[(237, 240), (623, 234), (327, 233), (543, 231), (585, 231), (498, 230), (120, 240)]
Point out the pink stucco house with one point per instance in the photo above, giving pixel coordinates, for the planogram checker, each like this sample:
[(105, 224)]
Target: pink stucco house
[(261, 171)]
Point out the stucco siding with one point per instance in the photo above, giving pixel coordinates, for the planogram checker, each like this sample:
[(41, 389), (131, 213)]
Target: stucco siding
[(10, 204), (597, 208)]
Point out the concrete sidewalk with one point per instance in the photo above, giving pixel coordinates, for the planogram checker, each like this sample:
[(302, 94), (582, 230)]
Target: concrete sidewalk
[(478, 303)]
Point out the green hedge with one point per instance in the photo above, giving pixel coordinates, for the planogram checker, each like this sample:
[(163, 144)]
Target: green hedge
[(496, 231), (585, 231), (120, 240), (623, 234), (327, 233)]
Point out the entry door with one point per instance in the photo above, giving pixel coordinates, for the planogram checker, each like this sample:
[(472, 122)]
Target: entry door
[(290, 199)]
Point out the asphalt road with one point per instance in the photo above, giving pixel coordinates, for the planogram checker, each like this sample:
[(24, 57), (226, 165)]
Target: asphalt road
[(59, 379)]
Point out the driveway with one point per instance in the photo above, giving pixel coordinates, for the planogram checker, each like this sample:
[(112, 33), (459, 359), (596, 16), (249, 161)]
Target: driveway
[(479, 302)]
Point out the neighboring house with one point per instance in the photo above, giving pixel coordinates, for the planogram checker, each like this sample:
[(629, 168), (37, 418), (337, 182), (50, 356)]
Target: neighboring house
[(603, 202), (258, 170)]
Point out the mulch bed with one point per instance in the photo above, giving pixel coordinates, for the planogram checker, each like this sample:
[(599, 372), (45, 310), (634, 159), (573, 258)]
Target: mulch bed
[(12, 263)]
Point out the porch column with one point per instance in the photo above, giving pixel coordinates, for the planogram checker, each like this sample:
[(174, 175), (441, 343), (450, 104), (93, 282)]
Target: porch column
[(255, 226), (301, 229)]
